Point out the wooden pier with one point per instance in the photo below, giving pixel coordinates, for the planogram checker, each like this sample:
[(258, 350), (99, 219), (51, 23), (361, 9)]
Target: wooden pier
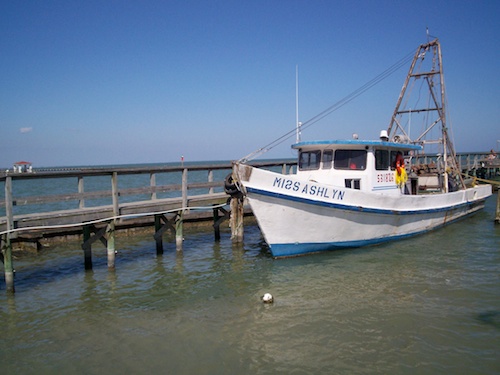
[(99, 202)]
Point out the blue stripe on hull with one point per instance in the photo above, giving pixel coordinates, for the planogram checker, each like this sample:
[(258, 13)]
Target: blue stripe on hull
[(356, 208), (296, 249)]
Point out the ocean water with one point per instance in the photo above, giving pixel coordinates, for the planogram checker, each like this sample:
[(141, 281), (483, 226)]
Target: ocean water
[(425, 305)]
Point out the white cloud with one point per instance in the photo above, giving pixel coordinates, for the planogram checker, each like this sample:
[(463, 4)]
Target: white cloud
[(25, 130)]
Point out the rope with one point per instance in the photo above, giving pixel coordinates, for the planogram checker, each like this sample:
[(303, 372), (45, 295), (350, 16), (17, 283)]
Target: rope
[(491, 182), (128, 216)]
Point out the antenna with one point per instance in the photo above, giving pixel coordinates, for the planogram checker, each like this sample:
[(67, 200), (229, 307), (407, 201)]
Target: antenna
[(297, 103)]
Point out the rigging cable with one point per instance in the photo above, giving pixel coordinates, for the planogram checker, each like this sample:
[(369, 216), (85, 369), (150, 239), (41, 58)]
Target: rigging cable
[(386, 73)]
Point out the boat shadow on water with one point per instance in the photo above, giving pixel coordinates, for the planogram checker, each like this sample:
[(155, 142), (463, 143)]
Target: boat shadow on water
[(490, 318)]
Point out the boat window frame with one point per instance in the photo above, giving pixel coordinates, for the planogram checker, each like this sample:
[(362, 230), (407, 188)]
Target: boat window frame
[(356, 159), (327, 163), (353, 183), (309, 165), (382, 165)]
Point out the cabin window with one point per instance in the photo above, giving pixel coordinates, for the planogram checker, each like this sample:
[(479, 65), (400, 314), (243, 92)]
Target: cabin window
[(353, 183), (309, 160), (350, 159), (394, 156), (382, 160), (327, 159)]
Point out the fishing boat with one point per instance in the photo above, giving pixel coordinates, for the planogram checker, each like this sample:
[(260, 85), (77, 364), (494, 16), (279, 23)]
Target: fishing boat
[(354, 192)]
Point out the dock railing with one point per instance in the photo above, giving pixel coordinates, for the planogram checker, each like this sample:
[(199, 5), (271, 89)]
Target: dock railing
[(96, 202), (54, 196)]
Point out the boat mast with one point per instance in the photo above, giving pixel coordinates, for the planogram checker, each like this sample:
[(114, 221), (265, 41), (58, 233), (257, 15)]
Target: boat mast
[(443, 118), (411, 110), (298, 124)]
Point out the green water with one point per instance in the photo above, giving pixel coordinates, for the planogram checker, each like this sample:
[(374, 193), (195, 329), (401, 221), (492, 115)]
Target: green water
[(426, 305)]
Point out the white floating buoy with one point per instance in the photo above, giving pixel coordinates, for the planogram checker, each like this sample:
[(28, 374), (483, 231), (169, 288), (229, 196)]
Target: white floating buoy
[(267, 298)]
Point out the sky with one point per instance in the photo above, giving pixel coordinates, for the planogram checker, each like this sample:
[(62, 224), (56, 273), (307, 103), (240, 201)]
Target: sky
[(102, 82)]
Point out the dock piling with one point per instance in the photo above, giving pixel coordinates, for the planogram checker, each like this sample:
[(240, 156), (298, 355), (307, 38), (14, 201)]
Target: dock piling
[(158, 236), (88, 240), (110, 236), (218, 220), (174, 224), (497, 217), (179, 236), (236, 220), (7, 262), (87, 247), (6, 244)]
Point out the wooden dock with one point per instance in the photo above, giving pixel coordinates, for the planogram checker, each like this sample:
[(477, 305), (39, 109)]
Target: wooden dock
[(99, 202)]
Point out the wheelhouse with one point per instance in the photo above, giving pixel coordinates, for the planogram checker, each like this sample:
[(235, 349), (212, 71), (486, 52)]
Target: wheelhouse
[(356, 164)]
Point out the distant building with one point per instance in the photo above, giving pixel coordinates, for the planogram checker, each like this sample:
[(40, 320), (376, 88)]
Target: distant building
[(23, 167)]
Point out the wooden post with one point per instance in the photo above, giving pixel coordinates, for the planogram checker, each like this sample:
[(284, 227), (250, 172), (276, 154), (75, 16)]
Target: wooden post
[(9, 203), (218, 220), (110, 228), (236, 220), (6, 245), (210, 179), (158, 235), (152, 183), (110, 236), (179, 237), (87, 247), (114, 193), (174, 224), (497, 219), (216, 225), (80, 191), (184, 188), (7, 263), (88, 240)]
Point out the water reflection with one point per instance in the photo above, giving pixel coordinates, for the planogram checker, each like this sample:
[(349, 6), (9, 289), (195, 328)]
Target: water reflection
[(491, 318)]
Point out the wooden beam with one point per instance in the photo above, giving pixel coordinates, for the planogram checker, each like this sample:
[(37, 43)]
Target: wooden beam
[(174, 224), (88, 240), (218, 220)]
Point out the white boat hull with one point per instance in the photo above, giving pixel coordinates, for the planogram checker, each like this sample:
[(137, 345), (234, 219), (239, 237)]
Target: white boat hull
[(299, 217)]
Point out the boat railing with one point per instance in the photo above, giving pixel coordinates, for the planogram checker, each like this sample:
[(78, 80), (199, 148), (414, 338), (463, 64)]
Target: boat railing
[(468, 161)]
